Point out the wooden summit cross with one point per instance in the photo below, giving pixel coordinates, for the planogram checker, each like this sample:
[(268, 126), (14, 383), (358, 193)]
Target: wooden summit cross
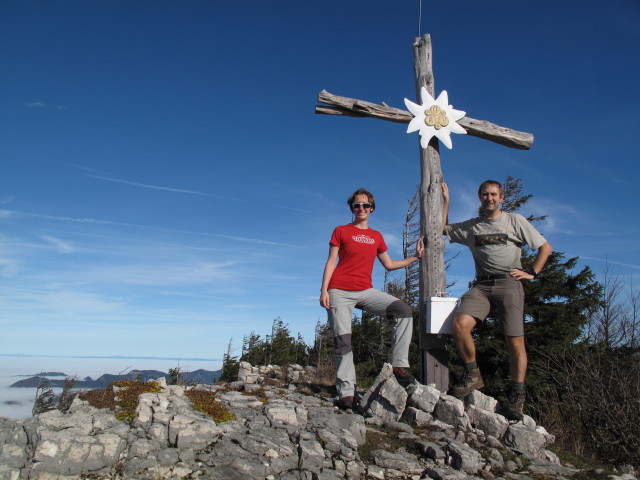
[(432, 271)]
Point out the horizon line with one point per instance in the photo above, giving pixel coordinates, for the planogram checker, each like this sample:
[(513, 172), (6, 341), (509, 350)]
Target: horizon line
[(124, 357)]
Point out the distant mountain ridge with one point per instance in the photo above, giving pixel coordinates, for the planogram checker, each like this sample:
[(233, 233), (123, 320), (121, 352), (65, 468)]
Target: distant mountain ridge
[(197, 376)]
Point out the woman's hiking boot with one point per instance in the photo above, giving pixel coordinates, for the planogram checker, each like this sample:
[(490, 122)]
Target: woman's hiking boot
[(403, 376), (471, 380), (345, 403)]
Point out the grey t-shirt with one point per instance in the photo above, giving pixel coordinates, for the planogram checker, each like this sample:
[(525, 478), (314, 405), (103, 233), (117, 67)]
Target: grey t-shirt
[(496, 245)]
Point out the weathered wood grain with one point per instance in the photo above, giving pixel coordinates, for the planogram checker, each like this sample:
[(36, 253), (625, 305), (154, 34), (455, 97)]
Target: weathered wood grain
[(351, 107), (433, 282)]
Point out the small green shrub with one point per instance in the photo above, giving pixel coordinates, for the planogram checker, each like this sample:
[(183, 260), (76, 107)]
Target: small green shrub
[(205, 401), (127, 394), (120, 397)]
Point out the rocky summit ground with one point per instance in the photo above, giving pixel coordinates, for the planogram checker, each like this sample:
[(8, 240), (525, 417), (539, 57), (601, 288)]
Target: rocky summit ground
[(277, 428)]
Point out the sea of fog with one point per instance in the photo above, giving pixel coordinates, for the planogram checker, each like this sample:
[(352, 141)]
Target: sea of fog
[(18, 402)]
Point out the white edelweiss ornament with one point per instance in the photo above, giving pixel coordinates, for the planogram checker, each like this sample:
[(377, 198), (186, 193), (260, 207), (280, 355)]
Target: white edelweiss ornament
[(434, 117)]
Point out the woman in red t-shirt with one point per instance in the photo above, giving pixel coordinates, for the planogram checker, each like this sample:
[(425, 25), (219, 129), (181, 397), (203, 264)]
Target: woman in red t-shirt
[(346, 284)]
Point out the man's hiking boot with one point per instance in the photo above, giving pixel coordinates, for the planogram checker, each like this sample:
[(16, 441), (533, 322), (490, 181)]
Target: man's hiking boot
[(471, 380), (515, 406), (345, 403), (403, 376)]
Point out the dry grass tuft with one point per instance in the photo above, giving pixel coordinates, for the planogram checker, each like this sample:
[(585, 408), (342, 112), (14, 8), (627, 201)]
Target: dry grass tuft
[(121, 398)]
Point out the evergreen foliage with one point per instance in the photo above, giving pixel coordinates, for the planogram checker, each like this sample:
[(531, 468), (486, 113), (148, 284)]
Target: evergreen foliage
[(283, 348), (230, 365), (279, 348), (174, 376), (411, 234), (45, 398), (370, 342), (253, 350), (68, 393), (321, 354)]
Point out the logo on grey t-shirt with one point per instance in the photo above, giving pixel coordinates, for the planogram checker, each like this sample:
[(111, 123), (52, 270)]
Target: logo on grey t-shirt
[(491, 239)]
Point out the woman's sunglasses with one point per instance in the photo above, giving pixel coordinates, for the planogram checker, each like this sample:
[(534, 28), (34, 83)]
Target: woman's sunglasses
[(358, 205)]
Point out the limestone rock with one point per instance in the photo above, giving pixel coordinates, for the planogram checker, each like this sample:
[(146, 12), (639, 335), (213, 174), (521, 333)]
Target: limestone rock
[(417, 417), (451, 411), (433, 451), (247, 374), (386, 399), (527, 439), (482, 401), (403, 461), (490, 423), (292, 436), (464, 458), (423, 397)]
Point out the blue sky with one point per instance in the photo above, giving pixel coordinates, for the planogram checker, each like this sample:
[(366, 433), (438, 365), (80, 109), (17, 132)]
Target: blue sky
[(165, 185)]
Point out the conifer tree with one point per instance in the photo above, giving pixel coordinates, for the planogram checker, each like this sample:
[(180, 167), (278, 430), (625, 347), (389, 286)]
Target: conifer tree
[(253, 349), (283, 345), (230, 365), (321, 353), (302, 351), (409, 238), (45, 398)]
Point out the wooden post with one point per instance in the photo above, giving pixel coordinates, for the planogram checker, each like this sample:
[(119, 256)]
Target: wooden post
[(435, 368)]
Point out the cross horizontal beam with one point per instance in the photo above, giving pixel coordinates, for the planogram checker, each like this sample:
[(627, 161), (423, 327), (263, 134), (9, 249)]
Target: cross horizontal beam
[(351, 107)]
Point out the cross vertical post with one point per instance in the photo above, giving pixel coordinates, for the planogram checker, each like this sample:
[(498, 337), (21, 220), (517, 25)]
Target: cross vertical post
[(432, 272)]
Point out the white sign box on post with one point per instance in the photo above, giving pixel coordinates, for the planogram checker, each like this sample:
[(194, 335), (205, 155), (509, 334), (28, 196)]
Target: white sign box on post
[(440, 313)]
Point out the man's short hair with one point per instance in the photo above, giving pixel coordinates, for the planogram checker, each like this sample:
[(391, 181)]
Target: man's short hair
[(490, 182), (361, 191)]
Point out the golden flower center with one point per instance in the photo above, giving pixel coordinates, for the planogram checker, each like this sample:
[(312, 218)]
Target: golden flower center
[(436, 117)]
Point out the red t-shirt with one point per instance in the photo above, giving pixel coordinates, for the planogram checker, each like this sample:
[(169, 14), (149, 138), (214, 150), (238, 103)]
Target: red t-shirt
[(358, 249)]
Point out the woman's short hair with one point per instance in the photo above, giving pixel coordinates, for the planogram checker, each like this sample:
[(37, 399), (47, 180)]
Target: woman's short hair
[(361, 191)]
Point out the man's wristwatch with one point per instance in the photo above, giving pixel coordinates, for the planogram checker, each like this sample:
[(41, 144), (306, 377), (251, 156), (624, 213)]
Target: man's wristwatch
[(531, 271)]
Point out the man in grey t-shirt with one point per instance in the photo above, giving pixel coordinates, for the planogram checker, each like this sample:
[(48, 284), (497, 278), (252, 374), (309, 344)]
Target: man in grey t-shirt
[(495, 240)]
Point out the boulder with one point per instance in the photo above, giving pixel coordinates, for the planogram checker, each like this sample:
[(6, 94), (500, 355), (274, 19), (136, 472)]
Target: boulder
[(386, 399)]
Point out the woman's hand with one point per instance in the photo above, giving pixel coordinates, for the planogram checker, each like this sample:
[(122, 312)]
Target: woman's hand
[(326, 276), (324, 300), (419, 248)]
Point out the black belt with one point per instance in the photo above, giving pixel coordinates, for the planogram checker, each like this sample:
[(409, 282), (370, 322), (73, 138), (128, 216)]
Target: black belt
[(482, 278)]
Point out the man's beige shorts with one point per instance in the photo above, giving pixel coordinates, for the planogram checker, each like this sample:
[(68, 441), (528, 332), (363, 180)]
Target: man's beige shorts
[(506, 295)]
